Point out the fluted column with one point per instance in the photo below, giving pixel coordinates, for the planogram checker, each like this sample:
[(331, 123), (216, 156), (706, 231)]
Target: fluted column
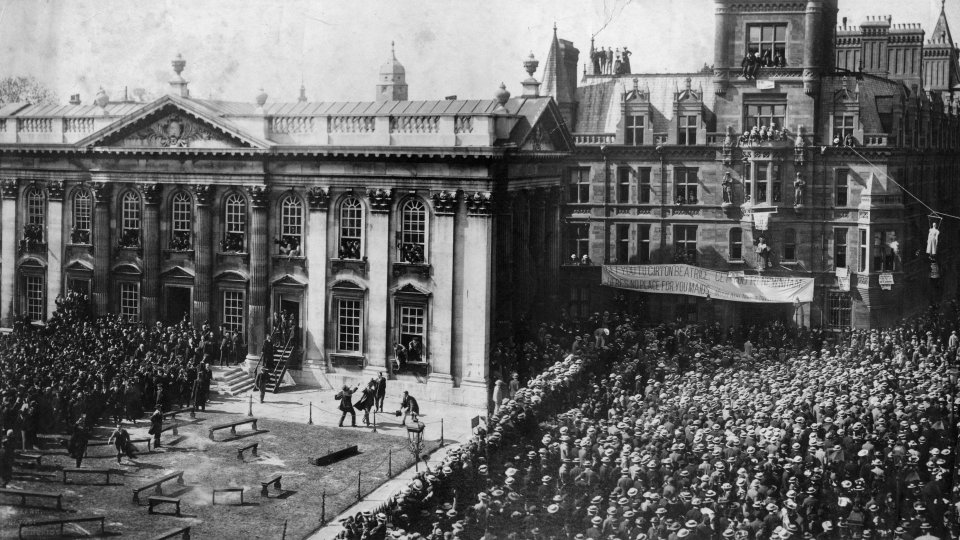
[(101, 247), (379, 246), (259, 255), (8, 256), (477, 290), (151, 252), (203, 256), (442, 261), (54, 244), (316, 253)]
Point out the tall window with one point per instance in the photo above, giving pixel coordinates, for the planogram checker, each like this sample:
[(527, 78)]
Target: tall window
[(840, 305), (349, 324), (643, 174), (790, 245), (885, 247), (82, 217), (234, 311), (775, 182), (130, 220), (842, 128), (687, 134), (685, 244), (413, 232), (413, 324), (623, 185), (765, 115), (351, 228), (130, 300), (36, 213), (291, 226), (686, 183), (864, 246), (579, 188), (760, 181), (181, 217), (840, 248), (235, 223), (633, 134), (579, 237), (841, 187), (35, 297), (736, 244), (768, 41), (643, 243), (623, 243)]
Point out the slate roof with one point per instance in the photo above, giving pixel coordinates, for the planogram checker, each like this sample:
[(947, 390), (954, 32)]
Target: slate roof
[(877, 98)]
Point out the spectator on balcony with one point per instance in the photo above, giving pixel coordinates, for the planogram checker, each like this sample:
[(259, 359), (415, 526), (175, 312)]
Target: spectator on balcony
[(625, 61), (609, 61), (400, 353), (415, 350)]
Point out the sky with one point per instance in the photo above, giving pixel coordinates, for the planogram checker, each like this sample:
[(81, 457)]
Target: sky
[(448, 47)]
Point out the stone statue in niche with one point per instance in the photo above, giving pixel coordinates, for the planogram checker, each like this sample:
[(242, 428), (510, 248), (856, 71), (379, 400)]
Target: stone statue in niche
[(799, 189), (727, 188)]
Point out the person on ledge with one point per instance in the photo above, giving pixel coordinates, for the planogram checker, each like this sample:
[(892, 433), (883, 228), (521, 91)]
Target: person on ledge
[(415, 350), (346, 404)]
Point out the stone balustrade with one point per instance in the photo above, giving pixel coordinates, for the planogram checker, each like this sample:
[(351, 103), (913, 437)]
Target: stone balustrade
[(587, 139)]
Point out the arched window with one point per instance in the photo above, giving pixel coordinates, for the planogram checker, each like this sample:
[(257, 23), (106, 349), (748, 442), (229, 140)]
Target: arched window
[(82, 217), (291, 226), (351, 229), (736, 244), (181, 221), (130, 220), (36, 217), (235, 223), (413, 232)]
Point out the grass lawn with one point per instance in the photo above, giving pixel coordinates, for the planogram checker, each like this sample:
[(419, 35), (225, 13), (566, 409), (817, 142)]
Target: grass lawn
[(284, 448)]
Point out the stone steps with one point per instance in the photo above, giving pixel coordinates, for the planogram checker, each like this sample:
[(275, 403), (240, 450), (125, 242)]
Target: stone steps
[(234, 381)]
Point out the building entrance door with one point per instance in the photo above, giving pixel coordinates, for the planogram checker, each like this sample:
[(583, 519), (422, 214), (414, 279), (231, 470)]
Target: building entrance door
[(177, 304)]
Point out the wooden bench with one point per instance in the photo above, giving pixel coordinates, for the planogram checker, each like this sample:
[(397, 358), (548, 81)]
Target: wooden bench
[(73, 470), (172, 427), (61, 523), (232, 426), (182, 532), (148, 440), (227, 490), (154, 500), (252, 447), (156, 485), (173, 414), (28, 459), (335, 456), (276, 484), (24, 494), (95, 442)]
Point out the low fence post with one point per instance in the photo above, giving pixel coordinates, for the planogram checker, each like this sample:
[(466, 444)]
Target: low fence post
[(250, 408), (310, 419), (441, 432), (323, 508), (390, 462), (358, 485)]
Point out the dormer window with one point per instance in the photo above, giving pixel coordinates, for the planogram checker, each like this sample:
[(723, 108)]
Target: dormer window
[(633, 132), (687, 134)]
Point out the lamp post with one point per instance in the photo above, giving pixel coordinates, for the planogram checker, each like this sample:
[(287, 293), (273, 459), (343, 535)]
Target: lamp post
[(415, 441)]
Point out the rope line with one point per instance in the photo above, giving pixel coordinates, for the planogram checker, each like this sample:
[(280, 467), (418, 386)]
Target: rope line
[(905, 190)]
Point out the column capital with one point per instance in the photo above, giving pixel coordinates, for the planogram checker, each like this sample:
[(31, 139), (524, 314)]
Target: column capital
[(258, 196), (445, 202), (55, 190), (9, 188), (203, 193), (380, 199), (318, 198), (101, 192), (151, 193), (480, 203)]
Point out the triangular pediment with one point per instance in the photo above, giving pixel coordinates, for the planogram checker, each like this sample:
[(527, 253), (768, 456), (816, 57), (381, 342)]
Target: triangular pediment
[(79, 266), (170, 123), (410, 290), (548, 132), (289, 281), (177, 272)]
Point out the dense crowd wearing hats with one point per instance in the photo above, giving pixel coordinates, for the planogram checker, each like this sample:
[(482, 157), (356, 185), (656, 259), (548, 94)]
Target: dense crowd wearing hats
[(80, 367), (693, 433)]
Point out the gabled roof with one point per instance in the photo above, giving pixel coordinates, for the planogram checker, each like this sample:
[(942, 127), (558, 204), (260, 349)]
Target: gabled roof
[(941, 32), (542, 113)]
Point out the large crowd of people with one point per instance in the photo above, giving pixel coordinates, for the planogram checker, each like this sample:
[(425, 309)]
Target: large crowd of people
[(703, 433)]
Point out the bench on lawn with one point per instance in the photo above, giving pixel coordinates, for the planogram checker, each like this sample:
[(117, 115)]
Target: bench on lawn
[(335, 456), (104, 442), (174, 427), (227, 490), (252, 447), (147, 440), (61, 523), (28, 458), (233, 426), (173, 414), (182, 532), (276, 484), (154, 500), (74, 470), (156, 484), (24, 494)]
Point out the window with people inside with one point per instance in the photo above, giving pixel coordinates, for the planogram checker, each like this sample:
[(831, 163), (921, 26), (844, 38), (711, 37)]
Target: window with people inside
[(291, 227), (766, 48), (412, 244), (351, 229), (234, 224), (181, 222), (33, 229), (82, 217), (130, 220)]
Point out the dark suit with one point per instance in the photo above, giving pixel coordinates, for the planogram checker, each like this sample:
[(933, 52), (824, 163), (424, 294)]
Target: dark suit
[(381, 393), (346, 406), (267, 353), (409, 406)]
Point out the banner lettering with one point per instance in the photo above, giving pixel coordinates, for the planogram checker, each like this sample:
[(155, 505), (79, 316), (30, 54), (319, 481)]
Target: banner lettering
[(692, 281)]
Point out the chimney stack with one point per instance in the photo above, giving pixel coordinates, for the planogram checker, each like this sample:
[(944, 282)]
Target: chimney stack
[(74, 99)]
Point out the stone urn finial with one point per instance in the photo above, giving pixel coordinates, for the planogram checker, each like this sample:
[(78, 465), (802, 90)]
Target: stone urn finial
[(261, 98), (531, 64), (502, 95), (178, 64)]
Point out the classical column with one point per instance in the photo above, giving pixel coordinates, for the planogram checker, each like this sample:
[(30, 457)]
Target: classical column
[(54, 244), (318, 199), (101, 247), (477, 289), (151, 252), (442, 261), (8, 257), (203, 256), (379, 245), (259, 260)]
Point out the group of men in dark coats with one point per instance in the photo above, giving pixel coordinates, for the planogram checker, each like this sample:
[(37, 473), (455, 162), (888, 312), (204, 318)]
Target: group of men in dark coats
[(371, 397)]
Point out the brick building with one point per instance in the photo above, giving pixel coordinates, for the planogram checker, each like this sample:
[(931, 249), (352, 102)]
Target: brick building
[(804, 145)]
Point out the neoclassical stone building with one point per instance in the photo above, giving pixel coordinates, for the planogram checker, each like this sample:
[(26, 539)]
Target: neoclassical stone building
[(371, 223)]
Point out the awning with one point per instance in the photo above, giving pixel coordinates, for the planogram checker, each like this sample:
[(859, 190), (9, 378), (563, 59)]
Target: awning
[(692, 281)]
